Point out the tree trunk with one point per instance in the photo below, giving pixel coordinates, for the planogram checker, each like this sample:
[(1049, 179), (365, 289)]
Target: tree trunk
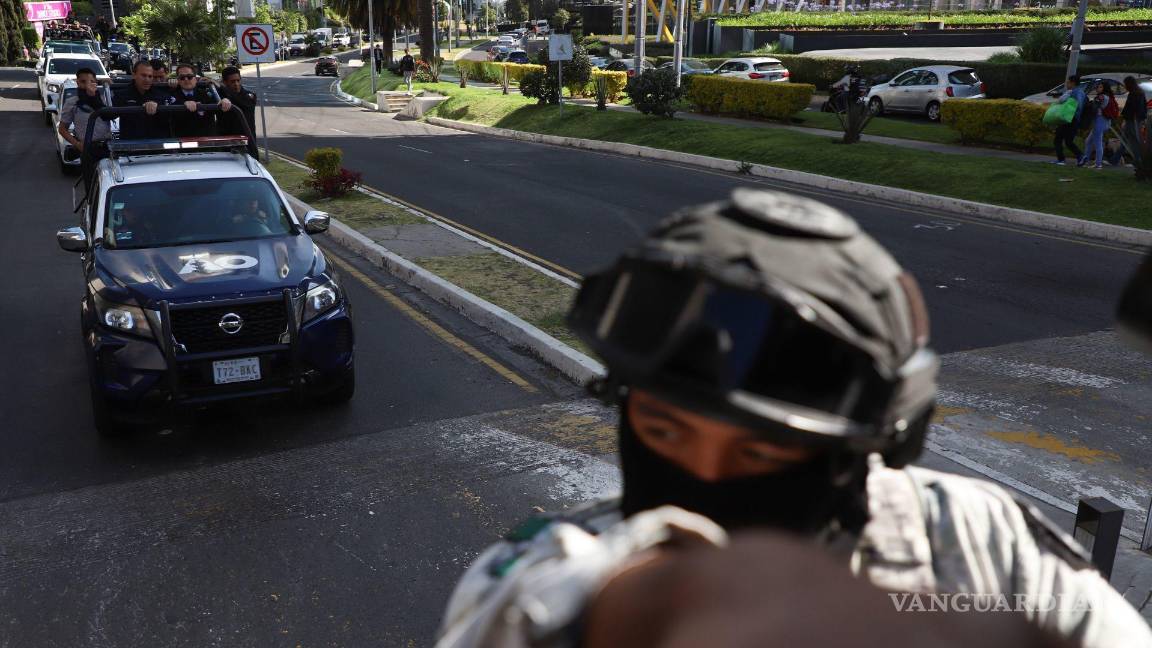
[(427, 31), (388, 35)]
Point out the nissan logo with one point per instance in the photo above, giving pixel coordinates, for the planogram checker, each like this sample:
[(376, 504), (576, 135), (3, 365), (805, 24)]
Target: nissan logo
[(231, 323)]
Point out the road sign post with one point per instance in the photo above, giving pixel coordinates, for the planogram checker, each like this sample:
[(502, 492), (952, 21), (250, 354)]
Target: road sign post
[(560, 50), (254, 45)]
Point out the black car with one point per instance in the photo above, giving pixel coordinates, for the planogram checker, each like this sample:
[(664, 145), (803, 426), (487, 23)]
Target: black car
[(327, 65)]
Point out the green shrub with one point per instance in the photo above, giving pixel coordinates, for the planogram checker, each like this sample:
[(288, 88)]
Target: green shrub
[(490, 72), (904, 19), (1000, 58), (1005, 120), (541, 86), (324, 162), (744, 97), (1041, 45), (655, 92)]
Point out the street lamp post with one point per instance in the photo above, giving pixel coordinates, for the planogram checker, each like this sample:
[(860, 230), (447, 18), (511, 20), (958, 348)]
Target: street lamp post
[(1077, 37)]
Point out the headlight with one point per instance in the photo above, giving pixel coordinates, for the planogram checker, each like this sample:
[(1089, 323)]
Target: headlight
[(122, 317), (319, 299), (53, 87)]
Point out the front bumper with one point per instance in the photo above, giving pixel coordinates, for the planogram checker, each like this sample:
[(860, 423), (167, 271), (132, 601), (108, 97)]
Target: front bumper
[(140, 377)]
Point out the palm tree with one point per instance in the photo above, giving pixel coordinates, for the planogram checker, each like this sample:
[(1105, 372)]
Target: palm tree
[(186, 29), (387, 14)]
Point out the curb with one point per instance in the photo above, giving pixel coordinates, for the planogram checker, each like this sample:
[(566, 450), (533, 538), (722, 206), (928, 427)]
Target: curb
[(1039, 220), (574, 365), (344, 96)]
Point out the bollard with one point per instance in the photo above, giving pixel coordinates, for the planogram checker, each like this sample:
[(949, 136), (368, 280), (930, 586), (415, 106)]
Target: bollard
[(1098, 524)]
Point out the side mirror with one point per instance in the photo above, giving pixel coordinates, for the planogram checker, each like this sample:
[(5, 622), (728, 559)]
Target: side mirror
[(72, 239), (316, 222), (39, 72)]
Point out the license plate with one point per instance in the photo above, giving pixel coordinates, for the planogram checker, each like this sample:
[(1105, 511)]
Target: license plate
[(238, 370)]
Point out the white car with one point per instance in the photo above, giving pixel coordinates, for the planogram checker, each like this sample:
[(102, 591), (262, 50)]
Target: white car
[(506, 41), (341, 40), (760, 68), (297, 45), (924, 90), (59, 68)]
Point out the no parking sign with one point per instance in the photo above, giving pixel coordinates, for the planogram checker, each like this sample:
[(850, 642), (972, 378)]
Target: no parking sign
[(254, 44)]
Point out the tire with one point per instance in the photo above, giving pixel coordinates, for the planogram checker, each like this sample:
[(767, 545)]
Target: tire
[(343, 392), (876, 106), (933, 111), (106, 423)]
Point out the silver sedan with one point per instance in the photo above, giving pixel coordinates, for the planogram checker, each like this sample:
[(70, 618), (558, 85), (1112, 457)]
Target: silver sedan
[(922, 90)]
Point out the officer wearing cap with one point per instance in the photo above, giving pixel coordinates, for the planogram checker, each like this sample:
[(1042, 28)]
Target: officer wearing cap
[(771, 366)]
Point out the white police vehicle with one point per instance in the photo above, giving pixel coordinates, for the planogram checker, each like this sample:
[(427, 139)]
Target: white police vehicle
[(201, 284)]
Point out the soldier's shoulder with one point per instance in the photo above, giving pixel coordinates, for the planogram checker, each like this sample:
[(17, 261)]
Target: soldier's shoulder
[(977, 497)]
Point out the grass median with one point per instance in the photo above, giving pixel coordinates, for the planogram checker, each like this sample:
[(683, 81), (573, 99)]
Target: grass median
[(521, 290), (1108, 196)]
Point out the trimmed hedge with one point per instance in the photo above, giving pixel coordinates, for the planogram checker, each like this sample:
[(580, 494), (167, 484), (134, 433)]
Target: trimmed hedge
[(1004, 80), (616, 83), (747, 98), (1006, 120), (489, 72)]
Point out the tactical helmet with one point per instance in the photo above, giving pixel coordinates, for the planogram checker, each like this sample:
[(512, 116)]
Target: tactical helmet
[(773, 311)]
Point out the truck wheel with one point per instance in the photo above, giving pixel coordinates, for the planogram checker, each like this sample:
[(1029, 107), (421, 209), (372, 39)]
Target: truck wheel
[(106, 423), (344, 392)]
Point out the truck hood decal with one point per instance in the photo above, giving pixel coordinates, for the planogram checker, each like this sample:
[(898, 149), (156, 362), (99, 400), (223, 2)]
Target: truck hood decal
[(207, 270)]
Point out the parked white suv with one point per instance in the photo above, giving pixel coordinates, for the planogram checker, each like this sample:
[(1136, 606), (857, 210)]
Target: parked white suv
[(760, 68)]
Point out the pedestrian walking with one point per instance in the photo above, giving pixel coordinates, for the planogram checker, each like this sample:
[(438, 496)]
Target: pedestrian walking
[(1135, 114), (408, 68), (379, 59), (1098, 113), (1066, 133), (771, 365)]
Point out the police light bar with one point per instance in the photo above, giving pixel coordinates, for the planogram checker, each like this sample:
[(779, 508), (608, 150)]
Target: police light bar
[(213, 142)]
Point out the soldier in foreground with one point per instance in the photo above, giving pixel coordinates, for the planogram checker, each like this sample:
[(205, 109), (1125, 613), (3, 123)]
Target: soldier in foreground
[(771, 366)]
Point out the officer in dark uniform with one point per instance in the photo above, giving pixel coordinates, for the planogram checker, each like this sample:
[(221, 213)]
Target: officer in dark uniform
[(242, 98), (141, 93), (196, 122)]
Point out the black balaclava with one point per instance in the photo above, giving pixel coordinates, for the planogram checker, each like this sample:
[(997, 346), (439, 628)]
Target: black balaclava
[(805, 500), (95, 102)]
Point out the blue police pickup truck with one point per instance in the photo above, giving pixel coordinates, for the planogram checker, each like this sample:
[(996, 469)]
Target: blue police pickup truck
[(201, 285)]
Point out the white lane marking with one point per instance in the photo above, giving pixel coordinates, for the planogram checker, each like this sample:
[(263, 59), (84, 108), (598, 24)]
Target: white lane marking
[(339, 131), (1028, 370), (414, 148)]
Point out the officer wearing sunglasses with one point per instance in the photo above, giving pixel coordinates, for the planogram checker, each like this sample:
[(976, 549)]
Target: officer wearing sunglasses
[(771, 366), (196, 122)]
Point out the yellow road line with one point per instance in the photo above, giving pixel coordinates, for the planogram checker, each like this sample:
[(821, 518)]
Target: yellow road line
[(478, 234), (432, 327)]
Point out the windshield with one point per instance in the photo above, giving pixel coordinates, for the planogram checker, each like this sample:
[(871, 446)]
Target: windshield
[(769, 67), (296, 41), (118, 47), (69, 66), (184, 212), (695, 65), (67, 48)]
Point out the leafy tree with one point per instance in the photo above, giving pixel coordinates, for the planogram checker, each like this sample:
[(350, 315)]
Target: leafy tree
[(181, 27), (560, 19), (516, 10), (389, 15)]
